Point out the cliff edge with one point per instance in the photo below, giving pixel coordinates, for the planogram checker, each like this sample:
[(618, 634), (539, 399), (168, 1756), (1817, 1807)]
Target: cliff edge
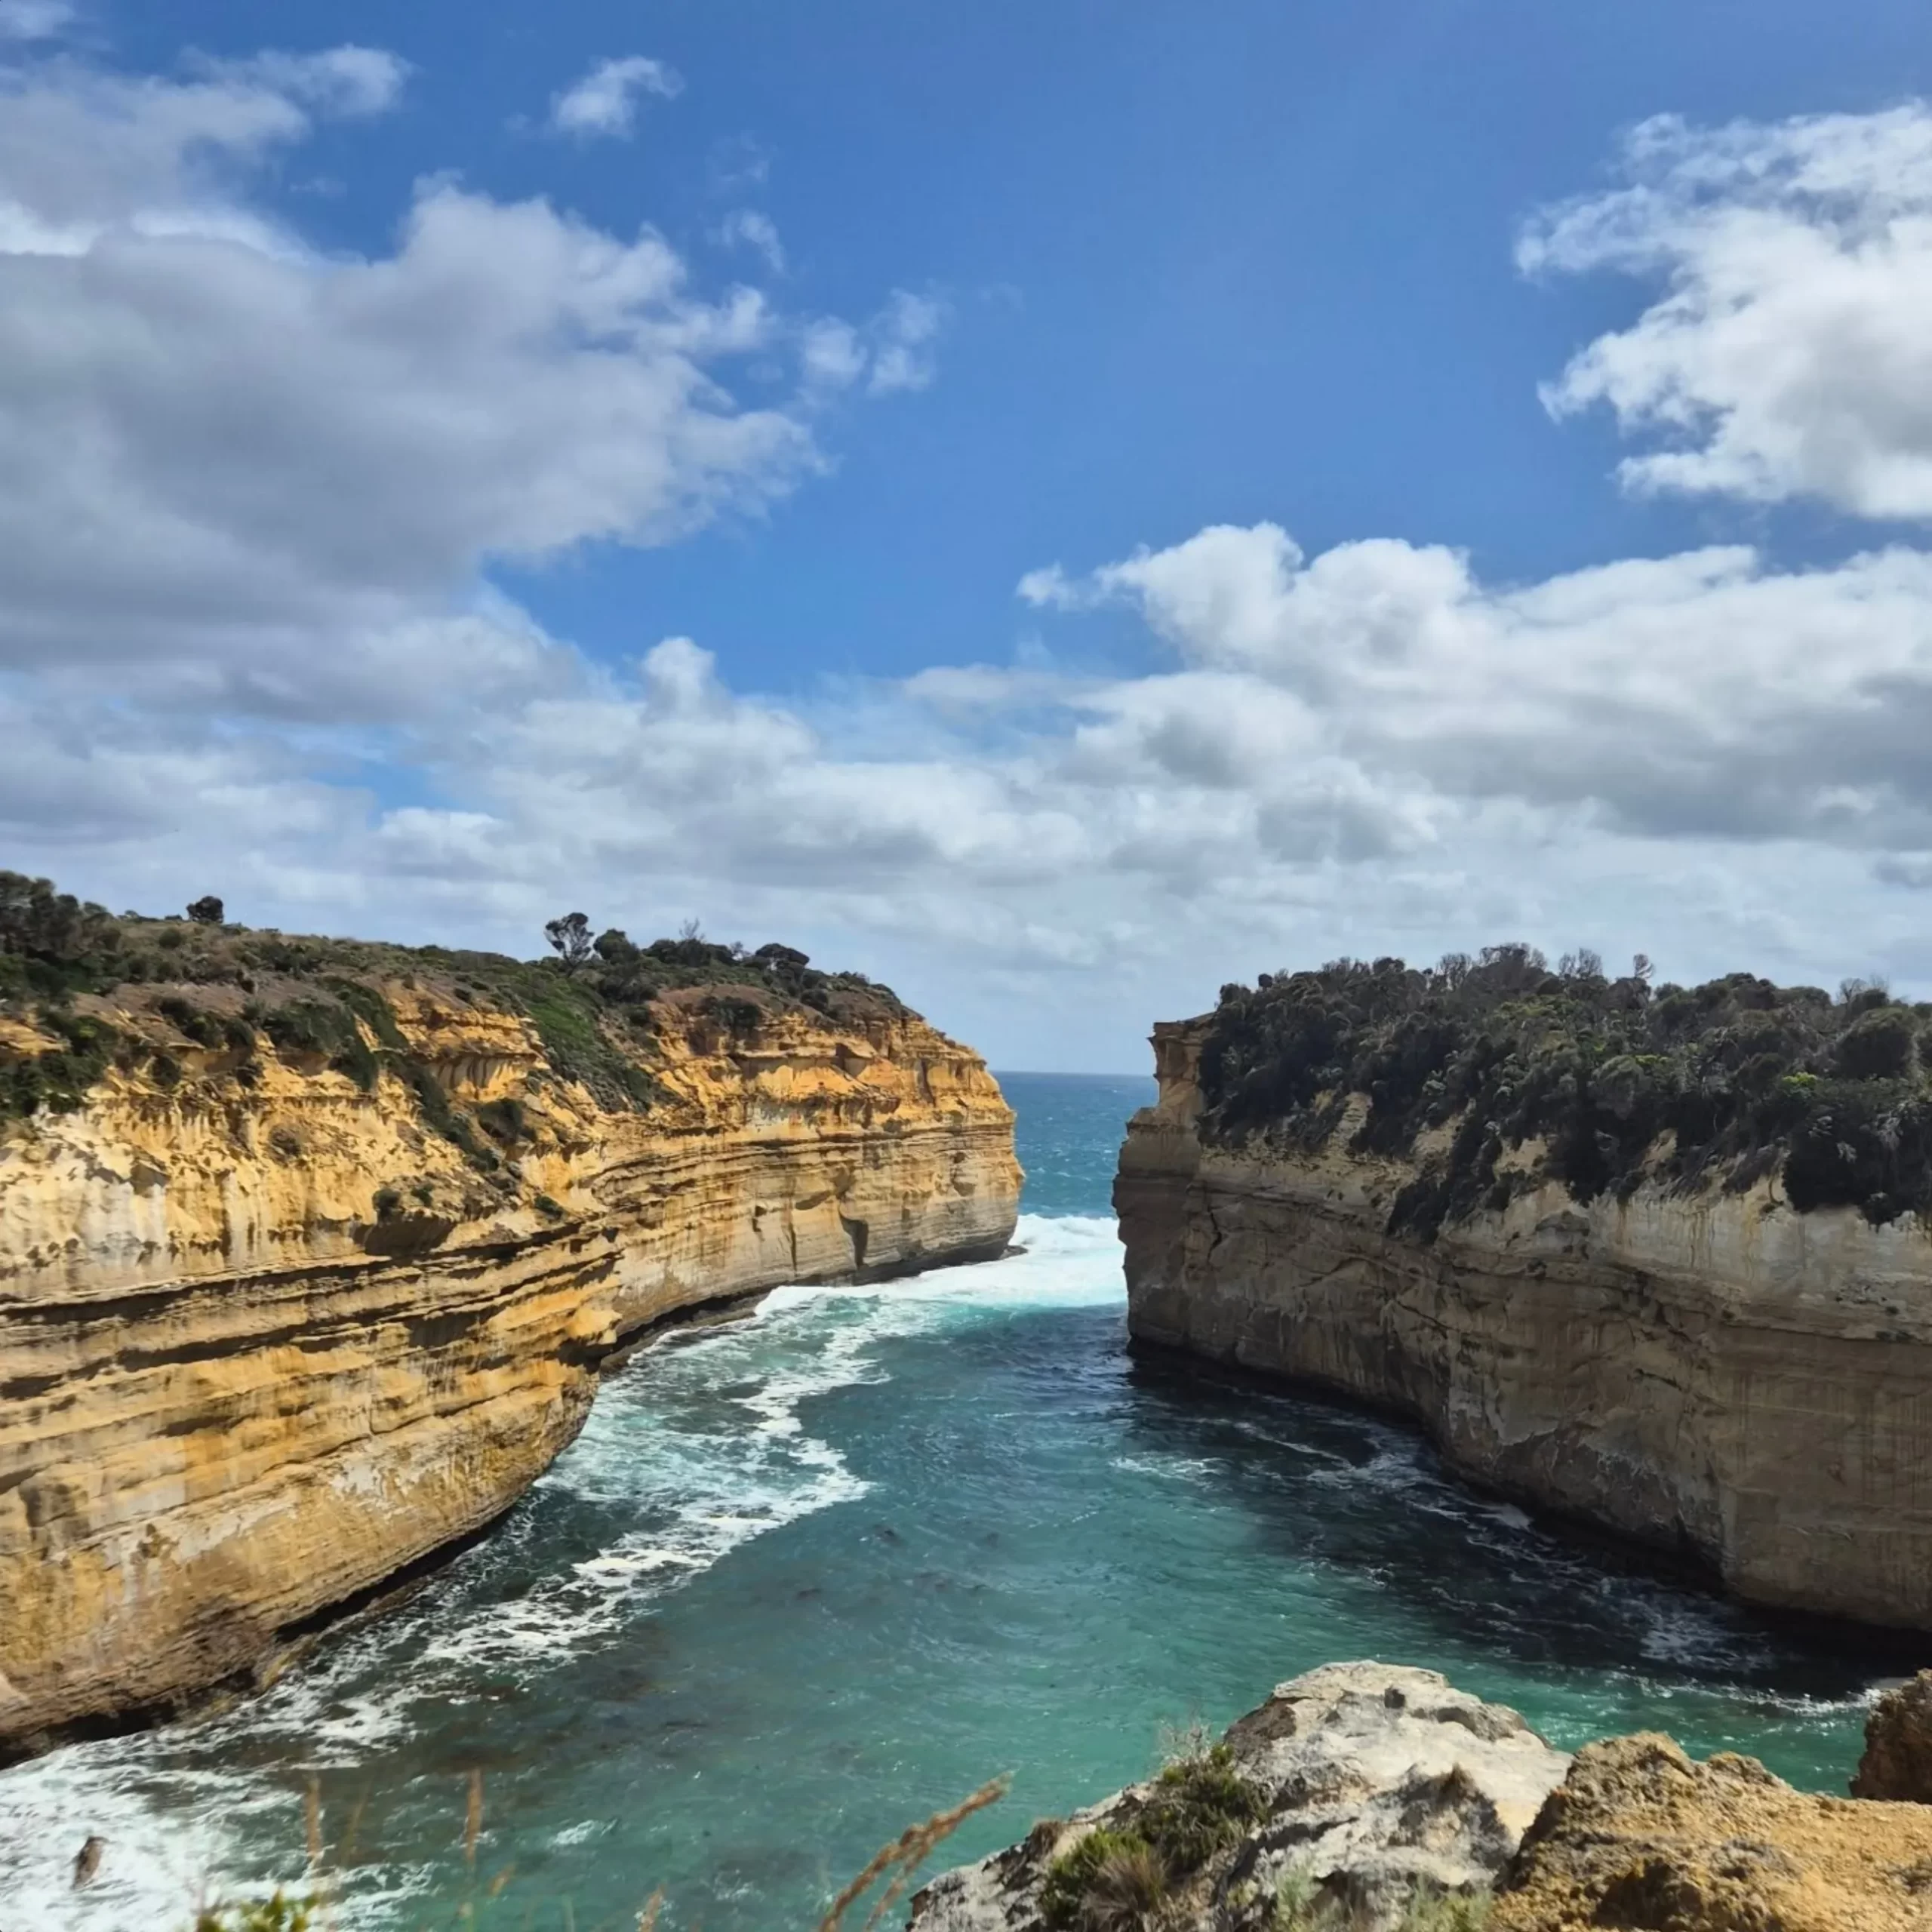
[(309, 1251), (1656, 1260), (1374, 1798)]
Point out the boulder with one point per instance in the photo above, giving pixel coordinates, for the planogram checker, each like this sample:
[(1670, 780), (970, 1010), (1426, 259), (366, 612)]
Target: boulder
[(1356, 1787), (1897, 1763), (1640, 1837)]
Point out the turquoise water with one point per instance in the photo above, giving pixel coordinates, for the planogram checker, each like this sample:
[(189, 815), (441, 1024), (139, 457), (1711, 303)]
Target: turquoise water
[(804, 1579)]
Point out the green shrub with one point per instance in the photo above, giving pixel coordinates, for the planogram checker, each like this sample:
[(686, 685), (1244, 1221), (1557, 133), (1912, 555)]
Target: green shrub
[(1197, 1806), (546, 1206), (1737, 1079), (1071, 1877), (387, 1202), (1429, 1909)]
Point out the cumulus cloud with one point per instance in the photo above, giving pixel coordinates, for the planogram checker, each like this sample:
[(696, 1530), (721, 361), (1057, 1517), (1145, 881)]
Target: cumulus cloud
[(258, 492), (252, 475), (1787, 354), (604, 102)]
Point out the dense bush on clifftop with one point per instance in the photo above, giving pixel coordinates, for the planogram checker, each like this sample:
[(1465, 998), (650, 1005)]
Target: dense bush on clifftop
[(89, 989), (1606, 1081)]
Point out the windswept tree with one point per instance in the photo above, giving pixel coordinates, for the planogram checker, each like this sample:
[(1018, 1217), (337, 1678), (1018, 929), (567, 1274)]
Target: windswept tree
[(570, 939), (207, 911)]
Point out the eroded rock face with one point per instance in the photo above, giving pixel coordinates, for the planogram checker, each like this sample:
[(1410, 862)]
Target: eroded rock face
[(255, 1358), (1371, 1780), (1639, 1836), (1713, 1374), (1897, 1761)]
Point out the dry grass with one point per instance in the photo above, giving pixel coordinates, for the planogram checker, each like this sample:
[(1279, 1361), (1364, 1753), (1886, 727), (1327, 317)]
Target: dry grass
[(891, 1869)]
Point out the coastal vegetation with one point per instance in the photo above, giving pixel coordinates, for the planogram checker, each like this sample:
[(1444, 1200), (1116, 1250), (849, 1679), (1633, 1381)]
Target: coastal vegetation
[(197, 1000), (1607, 1082)]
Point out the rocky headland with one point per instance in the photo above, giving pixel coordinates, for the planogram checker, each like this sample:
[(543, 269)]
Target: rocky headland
[(1374, 1798), (310, 1250), (1654, 1258)]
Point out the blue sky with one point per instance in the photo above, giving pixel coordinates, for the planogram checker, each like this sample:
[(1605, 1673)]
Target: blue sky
[(354, 636)]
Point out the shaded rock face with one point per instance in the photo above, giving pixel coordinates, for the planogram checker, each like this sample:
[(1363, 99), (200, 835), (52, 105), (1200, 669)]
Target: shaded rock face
[(1367, 1782), (1897, 1761), (1713, 1374), (257, 1357), (1639, 1838)]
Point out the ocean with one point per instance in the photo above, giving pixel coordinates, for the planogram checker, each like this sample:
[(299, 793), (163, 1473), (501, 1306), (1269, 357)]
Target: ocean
[(804, 1578)]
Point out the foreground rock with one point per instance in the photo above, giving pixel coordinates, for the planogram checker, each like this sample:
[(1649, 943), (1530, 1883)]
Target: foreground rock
[(1364, 1783), (1897, 1763), (1701, 1367), (1639, 1837), (283, 1313)]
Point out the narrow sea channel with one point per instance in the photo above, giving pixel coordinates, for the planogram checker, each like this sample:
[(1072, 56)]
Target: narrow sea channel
[(805, 1578)]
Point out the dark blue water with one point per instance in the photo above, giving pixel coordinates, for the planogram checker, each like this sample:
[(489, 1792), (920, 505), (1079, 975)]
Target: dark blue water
[(803, 1580)]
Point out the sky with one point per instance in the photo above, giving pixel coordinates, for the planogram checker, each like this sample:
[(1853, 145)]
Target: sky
[(1054, 505)]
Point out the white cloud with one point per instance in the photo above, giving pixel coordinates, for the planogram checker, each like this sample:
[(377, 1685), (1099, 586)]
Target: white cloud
[(342, 80), (746, 227), (902, 337), (604, 102), (35, 20), (266, 478), (1789, 354), (267, 486)]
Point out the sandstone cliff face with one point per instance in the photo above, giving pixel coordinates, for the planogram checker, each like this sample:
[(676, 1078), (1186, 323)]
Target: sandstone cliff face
[(263, 1345), (1712, 1373), (1640, 1836)]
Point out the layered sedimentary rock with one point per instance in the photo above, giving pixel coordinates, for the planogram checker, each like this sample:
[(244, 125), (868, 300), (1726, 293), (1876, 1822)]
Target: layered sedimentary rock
[(266, 1341), (1704, 1369), (1353, 1792)]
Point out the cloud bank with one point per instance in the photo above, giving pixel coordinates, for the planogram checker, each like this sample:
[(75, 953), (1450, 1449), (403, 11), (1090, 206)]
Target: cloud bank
[(249, 640)]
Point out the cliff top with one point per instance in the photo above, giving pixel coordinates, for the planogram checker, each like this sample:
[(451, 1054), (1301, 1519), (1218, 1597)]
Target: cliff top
[(1613, 1081), (81, 989)]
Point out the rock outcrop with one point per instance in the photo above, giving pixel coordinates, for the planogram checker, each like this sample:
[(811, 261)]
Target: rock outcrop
[(1364, 1797), (1897, 1760), (1701, 1369), (1639, 1836), (270, 1334), (1354, 1790)]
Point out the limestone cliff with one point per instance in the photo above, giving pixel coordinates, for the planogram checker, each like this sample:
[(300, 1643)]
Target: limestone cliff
[(277, 1321), (1691, 1362)]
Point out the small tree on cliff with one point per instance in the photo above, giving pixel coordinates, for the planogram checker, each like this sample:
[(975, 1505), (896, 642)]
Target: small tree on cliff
[(207, 911), (570, 938)]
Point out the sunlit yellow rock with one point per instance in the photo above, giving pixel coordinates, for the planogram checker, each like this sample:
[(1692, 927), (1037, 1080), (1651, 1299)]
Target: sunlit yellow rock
[(232, 1396)]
